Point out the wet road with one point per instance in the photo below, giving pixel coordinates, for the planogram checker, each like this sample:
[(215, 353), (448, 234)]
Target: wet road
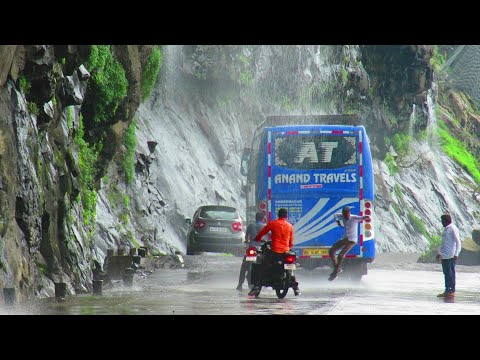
[(207, 287)]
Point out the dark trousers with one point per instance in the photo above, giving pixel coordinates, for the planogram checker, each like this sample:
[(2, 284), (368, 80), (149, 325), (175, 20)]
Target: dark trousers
[(243, 271), (448, 267)]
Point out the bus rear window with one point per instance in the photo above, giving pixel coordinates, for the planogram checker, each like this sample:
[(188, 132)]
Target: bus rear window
[(318, 151)]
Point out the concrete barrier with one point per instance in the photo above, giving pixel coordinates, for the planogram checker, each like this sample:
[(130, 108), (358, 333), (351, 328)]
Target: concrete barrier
[(97, 287), (9, 296)]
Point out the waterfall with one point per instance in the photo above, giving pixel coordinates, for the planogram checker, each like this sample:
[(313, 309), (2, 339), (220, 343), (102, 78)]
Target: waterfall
[(443, 166)]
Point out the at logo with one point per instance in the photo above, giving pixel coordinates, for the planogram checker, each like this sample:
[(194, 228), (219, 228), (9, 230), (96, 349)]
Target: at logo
[(308, 151)]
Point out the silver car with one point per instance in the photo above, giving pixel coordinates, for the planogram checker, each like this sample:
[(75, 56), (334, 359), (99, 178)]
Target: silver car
[(216, 228)]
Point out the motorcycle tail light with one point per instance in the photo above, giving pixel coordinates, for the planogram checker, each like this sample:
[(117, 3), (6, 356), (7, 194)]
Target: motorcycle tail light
[(251, 251), (290, 259)]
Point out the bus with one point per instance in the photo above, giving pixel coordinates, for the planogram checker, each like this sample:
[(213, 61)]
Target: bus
[(313, 165)]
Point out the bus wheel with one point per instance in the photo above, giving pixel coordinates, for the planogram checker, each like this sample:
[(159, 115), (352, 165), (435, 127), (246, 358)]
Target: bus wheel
[(356, 276), (355, 272), (308, 264)]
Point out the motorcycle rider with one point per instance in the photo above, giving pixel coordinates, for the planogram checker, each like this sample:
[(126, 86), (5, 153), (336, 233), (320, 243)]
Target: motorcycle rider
[(252, 230), (282, 241)]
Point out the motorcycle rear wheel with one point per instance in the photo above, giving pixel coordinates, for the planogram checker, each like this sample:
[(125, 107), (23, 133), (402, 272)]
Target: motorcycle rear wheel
[(285, 284)]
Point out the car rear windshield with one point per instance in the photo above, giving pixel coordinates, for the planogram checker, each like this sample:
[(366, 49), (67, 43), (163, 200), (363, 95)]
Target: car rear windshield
[(219, 213)]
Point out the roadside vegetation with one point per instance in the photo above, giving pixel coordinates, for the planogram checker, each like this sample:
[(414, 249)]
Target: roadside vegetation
[(128, 162), (87, 159), (150, 72), (109, 82), (457, 150)]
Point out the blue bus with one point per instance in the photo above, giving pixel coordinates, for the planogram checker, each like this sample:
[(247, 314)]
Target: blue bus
[(313, 165)]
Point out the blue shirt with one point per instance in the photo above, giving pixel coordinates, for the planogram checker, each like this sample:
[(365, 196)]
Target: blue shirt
[(451, 244)]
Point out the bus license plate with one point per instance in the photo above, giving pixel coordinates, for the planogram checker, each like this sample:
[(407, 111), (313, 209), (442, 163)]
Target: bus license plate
[(251, 258), (289, 266), (310, 252)]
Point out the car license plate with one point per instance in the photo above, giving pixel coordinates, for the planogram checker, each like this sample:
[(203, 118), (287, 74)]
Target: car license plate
[(218, 229), (289, 266), (251, 258), (310, 252)]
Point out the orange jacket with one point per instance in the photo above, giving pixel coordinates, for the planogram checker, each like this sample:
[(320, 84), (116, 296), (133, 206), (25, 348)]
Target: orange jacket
[(282, 234)]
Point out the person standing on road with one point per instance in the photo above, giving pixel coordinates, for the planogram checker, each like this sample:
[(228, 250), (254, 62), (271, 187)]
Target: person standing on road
[(252, 230), (348, 240), (448, 253), (282, 241)]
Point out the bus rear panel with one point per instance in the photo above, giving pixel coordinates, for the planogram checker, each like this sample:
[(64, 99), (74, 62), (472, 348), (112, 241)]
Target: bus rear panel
[(314, 171)]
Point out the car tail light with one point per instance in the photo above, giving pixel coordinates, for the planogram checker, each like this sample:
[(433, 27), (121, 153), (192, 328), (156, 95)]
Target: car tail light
[(290, 259), (199, 225), (251, 251), (237, 226)]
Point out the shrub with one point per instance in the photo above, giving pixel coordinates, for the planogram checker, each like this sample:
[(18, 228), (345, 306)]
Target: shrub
[(87, 158), (24, 84), (109, 81), (390, 162), (150, 72), (128, 163), (457, 151)]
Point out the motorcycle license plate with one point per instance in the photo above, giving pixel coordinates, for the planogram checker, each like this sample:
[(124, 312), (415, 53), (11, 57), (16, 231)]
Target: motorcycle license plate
[(289, 266), (251, 258)]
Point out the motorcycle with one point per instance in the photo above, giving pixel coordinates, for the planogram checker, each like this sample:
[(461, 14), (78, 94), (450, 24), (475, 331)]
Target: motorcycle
[(276, 270)]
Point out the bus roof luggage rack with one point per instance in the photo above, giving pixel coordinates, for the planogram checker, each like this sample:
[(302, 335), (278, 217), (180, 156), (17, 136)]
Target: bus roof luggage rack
[(339, 119)]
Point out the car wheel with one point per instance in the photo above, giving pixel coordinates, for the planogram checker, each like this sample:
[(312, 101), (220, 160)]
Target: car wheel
[(190, 249)]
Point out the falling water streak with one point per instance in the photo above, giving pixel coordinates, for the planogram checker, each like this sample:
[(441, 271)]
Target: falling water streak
[(436, 158), (412, 123)]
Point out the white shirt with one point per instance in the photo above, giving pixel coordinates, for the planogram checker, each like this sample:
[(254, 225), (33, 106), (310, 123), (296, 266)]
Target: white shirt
[(350, 225), (451, 244)]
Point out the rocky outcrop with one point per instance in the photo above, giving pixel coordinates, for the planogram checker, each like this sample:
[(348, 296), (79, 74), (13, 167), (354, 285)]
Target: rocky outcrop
[(43, 235), (7, 53)]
